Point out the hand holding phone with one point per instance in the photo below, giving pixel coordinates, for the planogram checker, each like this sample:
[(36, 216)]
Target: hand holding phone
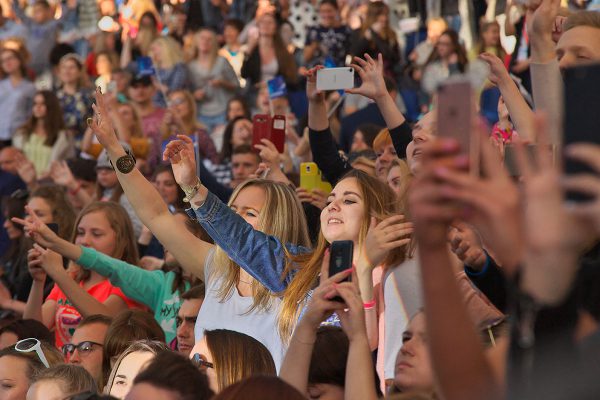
[(335, 78), (340, 259), (271, 128)]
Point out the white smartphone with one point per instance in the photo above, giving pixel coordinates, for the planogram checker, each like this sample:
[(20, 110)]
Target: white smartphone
[(335, 78)]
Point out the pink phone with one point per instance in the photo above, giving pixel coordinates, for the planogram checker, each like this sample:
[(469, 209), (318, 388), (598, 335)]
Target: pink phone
[(455, 112)]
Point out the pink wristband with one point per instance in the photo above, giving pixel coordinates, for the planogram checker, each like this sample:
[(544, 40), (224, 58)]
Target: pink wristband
[(369, 304)]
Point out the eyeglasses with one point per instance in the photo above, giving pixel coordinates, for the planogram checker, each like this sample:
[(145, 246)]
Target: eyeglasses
[(84, 348), (177, 102), (32, 344), (199, 361)]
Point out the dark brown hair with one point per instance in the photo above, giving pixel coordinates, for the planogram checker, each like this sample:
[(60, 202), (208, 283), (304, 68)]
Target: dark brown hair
[(237, 356), (227, 149), (329, 357), (127, 327), (260, 387), (195, 292), (62, 210), (22, 63), (165, 168), (53, 121), (29, 328), (172, 371), (456, 47)]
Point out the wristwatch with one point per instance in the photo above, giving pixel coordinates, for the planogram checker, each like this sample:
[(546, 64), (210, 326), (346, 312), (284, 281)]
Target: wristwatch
[(126, 163)]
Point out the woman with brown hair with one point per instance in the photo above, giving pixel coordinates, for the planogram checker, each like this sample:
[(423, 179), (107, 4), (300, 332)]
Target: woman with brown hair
[(229, 356), (43, 138), (127, 327), (266, 55), (74, 94), (104, 226), (17, 93), (213, 79), (376, 36), (447, 58), (263, 387)]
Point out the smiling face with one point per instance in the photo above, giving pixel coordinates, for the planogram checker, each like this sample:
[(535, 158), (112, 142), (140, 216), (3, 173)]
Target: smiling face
[(95, 231), (166, 186), (13, 378), (127, 370), (413, 370), (344, 214), (327, 15), (179, 105), (249, 203), (422, 133)]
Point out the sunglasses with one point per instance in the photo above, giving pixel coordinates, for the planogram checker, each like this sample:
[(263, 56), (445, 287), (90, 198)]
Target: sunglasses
[(32, 344), (84, 348), (199, 361)]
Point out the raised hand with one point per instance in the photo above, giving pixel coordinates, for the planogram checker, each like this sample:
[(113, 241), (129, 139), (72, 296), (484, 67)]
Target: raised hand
[(48, 260), (268, 152), (320, 306), (384, 236), (352, 317), (180, 153), (101, 124), (25, 169), (498, 72), (466, 244), (371, 74), (312, 93), (37, 230), (61, 174), (587, 153), (34, 263)]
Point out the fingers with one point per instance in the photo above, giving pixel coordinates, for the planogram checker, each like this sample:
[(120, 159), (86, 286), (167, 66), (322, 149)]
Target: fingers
[(269, 144), (582, 183), (587, 153)]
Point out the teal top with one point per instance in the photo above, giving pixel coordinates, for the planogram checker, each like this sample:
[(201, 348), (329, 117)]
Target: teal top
[(152, 288)]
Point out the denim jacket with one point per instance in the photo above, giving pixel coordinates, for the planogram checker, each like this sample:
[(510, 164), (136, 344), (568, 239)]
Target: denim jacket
[(259, 254)]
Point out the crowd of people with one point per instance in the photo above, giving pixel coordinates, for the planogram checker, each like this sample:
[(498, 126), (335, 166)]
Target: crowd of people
[(151, 247)]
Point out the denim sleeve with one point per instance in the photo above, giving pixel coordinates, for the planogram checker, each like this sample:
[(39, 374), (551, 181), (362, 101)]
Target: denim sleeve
[(261, 255)]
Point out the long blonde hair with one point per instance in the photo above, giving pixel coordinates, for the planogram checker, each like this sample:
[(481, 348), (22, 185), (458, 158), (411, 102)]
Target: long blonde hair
[(171, 53), (282, 216), (379, 202)]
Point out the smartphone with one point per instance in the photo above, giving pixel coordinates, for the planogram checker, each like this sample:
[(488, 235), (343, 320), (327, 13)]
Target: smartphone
[(335, 78), (311, 178), (273, 129), (340, 259), (581, 117), (277, 87), (455, 111)]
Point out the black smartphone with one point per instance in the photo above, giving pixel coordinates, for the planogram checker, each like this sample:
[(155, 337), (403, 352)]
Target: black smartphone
[(340, 259), (581, 121), (53, 227)]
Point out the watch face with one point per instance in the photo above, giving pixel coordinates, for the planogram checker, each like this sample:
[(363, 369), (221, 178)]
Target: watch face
[(126, 164)]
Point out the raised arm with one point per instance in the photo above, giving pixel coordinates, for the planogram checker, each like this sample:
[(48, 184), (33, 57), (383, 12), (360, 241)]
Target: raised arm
[(373, 87), (322, 143), (296, 363), (546, 80), (136, 283), (520, 113), (190, 251), (450, 330), (61, 175), (36, 308)]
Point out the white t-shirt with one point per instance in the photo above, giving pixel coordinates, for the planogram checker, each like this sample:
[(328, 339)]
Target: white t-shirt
[(232, 314)]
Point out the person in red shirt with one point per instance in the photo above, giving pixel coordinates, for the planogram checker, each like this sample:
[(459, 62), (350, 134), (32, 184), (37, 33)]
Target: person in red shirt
[(103, 226)]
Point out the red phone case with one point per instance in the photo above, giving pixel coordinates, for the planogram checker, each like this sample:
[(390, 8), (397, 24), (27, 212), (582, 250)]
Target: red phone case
[(278, 132), (265, 127)]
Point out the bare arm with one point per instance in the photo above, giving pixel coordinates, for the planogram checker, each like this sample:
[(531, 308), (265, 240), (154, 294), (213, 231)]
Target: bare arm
[(150, 207)]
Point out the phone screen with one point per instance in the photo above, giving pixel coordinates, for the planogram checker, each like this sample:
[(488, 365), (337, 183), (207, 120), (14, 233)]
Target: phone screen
[(581, 119), (340, 259)]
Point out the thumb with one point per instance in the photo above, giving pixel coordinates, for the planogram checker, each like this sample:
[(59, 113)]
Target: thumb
[(39, 248)]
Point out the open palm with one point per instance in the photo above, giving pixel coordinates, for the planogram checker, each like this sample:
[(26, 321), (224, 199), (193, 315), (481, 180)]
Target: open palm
[(180, 153)]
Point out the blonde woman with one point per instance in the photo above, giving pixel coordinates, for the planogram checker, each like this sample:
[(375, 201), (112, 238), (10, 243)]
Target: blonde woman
[(214, 81), (171, 72)]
